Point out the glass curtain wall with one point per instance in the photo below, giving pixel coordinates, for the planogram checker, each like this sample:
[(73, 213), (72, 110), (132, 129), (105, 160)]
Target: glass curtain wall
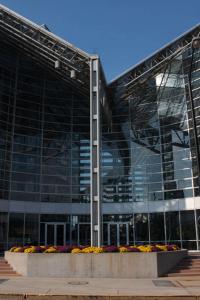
[(148, 155), (150, 152), (175, 227), (44, 140), (44, 143)]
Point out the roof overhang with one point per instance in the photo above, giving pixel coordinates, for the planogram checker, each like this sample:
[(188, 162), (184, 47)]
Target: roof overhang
[(61, 57), (157, 59)]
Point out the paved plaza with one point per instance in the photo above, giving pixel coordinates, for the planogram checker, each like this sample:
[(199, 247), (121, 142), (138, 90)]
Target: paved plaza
[(94, 288)]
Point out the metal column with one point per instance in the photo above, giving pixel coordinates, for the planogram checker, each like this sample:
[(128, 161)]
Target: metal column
[(95, 188)]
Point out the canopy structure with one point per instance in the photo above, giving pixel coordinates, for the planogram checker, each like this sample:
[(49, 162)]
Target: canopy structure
[(69, 62), (130, 77)]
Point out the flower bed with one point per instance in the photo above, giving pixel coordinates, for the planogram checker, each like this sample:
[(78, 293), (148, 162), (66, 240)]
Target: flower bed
[(81, 249), (143, 261), (113, 262)]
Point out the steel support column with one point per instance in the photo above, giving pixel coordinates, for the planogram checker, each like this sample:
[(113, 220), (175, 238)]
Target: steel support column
[(95, 188)]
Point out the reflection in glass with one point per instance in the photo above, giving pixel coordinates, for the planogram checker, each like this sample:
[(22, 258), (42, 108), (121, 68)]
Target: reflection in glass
[(16, 229), (123, 234), (50, 234), (84, 234), (3, 230), (187, 225), (172, 226), (31, 234), (105, 234), (141, 227), (113, 234), (147, 154), (157, 232), (60, 235), (51, 129)]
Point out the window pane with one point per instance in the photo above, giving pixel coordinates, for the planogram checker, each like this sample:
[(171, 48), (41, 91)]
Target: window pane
[(172, 226), (31, 229), (141, 227), (188, 225), (157, 232), (3, 230), (16, 229)]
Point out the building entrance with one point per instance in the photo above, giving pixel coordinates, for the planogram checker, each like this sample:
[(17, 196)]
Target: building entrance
[(55, 234), (118, 234), (84, 234)]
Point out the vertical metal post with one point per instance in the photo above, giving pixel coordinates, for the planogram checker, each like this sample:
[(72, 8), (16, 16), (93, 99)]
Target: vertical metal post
[(165, 228), (95, 186), (196, 229), (42, 146), (12, 142), (194, 123)]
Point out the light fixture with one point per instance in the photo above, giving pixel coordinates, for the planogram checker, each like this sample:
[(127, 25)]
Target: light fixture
[(196, 42), (73, 74), (57, 64)]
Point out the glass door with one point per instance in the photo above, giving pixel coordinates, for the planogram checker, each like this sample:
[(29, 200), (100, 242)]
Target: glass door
[(49, 240), (60, 234), (123, 229), (84, 234), (112, 234), (118, 234), (55, 234)]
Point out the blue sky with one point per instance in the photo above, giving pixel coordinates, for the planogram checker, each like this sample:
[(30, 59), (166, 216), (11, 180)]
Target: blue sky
[(122, 32)]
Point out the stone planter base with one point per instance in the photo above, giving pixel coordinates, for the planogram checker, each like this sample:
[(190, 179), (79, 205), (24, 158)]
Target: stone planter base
[(106, 265)]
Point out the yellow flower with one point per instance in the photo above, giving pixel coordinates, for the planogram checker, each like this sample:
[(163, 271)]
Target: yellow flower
[(30, 250), (162, 247), (12, 249), (175, 247), (18, 249), (146, 248), (50, 250), (76, 250), (123, 249), (98, 250), (88, 250)]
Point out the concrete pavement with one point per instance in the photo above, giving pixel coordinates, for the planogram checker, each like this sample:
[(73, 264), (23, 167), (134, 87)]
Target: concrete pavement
[(16, 288)]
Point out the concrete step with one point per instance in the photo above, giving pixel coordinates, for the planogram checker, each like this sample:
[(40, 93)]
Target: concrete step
[(182, 274), (188, 271), (6, 269), (191, 262), (7, 272), (189, 266), (193, 258), (190, 258), (9, 275)]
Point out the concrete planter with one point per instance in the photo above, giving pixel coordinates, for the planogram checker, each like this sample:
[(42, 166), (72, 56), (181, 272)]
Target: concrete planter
[(106, 265)]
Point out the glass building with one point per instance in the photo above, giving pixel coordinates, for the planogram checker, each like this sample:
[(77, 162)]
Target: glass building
[(83, 161)]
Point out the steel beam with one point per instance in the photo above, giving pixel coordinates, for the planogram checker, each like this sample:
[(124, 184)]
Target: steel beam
[(46, 47), (95, 184), (157, 59)]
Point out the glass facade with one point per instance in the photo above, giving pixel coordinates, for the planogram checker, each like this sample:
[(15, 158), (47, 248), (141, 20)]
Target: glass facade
[(44, 135), (150, 153), (127, 229), (149, 161)]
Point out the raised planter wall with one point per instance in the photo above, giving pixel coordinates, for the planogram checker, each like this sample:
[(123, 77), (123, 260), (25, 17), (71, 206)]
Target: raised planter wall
[(107, 265)]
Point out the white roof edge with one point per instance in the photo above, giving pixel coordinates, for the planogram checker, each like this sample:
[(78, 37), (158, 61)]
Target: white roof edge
[(38, 27), (151, 55)]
